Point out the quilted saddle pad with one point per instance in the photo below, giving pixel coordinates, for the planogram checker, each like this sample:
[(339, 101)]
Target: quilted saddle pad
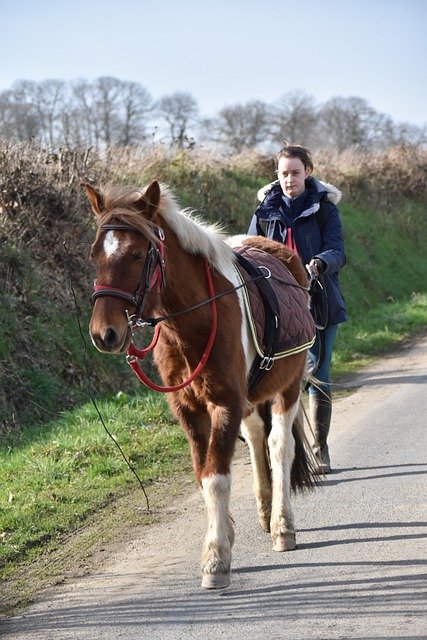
[(297, 330)]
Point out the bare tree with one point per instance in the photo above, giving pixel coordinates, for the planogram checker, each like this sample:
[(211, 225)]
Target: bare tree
[(18, 117), (352, 122), (50, 98), (113, 111), (136, 107), (179, 110), (81, 123), (106, 103), (47, 99), (294, 118), (105, 112), (405, 133), (240, 127)]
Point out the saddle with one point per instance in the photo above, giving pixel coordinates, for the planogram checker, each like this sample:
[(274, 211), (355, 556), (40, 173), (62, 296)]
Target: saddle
[(276, 307)]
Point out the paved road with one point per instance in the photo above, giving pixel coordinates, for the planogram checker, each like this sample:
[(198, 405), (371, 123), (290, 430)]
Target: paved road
[(358, 569)]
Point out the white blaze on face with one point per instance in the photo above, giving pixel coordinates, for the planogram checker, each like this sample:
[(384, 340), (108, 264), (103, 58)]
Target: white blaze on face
[(111, 244)]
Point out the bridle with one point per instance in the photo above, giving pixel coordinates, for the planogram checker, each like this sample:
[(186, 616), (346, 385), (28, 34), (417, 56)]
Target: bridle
[(153, 274)]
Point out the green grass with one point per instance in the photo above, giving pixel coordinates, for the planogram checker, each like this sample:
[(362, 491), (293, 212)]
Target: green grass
[(377, 330), (63, 471), (384, 282), (385, 257), (44, 360)]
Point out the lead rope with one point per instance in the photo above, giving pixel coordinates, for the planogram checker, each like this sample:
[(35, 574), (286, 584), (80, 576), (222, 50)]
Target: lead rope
[(134, 353), (87, 373)]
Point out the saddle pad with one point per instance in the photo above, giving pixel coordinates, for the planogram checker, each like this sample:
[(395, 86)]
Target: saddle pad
[(297, 330)]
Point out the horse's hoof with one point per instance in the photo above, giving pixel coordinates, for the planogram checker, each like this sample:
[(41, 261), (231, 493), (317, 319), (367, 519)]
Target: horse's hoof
[(215, 580), (285, 542)]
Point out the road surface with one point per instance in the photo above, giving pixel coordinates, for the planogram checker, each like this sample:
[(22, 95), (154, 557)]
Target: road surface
[(358, 572)]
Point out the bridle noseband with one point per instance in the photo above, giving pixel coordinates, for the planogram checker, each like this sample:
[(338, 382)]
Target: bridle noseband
[(153, 274)]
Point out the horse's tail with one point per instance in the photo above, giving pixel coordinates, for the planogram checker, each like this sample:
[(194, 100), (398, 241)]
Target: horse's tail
[(303, 476), (302, 473)]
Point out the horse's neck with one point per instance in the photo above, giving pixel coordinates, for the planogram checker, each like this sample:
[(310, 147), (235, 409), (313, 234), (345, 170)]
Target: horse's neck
[(184, 276)]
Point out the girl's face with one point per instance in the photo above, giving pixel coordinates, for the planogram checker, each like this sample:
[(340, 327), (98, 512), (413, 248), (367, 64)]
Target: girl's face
[(292, 175)]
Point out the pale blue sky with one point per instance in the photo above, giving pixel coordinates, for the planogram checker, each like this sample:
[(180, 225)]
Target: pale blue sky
[(227, 51)]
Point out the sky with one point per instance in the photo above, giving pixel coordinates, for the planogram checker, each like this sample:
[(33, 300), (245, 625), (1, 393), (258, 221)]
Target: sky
[(227, 52)]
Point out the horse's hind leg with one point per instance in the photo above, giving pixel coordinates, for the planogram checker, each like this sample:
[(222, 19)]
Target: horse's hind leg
[(282, 452), (254, 432)]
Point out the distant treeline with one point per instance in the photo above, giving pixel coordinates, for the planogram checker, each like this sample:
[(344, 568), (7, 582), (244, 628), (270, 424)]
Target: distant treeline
[(109, 111)]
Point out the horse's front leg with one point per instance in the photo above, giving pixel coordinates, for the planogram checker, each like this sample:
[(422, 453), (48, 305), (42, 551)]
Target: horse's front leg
[(281, 445), (196, 423), (216, 485)]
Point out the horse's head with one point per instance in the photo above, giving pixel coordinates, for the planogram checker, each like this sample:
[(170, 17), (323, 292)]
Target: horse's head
[(128, 258)]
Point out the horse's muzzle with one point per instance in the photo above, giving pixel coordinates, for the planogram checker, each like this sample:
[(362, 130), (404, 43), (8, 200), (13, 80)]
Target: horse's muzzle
[(110, 340)]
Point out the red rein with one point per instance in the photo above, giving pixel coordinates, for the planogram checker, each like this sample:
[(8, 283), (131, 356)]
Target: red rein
[(134, 353)]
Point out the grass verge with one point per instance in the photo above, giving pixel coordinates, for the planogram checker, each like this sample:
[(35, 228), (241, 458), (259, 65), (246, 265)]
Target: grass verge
[(377, 330), (68, 469)]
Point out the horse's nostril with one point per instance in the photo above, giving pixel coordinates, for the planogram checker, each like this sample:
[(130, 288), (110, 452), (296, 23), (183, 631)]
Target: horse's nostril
[(111, 337)]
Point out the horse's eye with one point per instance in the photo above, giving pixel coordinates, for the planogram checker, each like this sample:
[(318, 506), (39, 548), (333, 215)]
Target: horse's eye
[(138, 257)]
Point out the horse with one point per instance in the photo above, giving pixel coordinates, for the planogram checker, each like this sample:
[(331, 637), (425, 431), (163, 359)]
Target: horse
[(151, 258)]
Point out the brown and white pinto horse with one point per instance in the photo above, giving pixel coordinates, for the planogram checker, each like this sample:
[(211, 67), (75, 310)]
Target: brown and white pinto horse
[(183, 252)]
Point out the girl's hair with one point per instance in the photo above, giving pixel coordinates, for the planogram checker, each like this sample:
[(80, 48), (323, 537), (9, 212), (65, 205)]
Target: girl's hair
[(296, 151)]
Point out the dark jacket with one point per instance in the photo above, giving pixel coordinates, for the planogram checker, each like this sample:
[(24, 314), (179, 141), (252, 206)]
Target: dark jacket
[(315, 236)]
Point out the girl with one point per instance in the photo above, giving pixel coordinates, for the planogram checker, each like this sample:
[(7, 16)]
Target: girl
[(301, 212)]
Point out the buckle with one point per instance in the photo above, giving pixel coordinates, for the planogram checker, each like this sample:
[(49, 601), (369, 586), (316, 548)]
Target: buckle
[(266, 269), (266, 363)]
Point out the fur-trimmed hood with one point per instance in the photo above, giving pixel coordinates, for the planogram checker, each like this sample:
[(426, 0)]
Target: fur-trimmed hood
[(314, 235), (332, 193)]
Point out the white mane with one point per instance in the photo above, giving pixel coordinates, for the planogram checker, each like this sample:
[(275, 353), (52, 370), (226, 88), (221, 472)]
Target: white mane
[(195, 236)]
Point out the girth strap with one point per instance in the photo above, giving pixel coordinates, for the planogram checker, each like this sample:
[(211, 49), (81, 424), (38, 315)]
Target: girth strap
[(272, 322)]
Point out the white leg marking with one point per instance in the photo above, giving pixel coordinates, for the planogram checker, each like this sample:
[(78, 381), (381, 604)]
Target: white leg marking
[(216, 553), (253, 431), (282, 452)]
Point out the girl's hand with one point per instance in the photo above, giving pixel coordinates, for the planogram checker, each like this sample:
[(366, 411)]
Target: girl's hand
[(316, 266)]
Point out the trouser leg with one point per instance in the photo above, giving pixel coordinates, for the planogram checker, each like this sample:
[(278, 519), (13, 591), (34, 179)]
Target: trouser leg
[(320, 419), (320, 397)]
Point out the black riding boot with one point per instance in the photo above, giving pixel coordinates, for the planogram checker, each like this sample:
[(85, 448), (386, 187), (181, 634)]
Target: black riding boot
[(320, 419)]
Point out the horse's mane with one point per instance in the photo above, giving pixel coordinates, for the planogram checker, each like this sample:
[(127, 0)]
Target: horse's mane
[(194, 235)]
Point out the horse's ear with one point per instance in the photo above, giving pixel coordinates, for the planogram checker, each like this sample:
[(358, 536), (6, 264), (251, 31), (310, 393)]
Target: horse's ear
[(95, 199), (149, 202)]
